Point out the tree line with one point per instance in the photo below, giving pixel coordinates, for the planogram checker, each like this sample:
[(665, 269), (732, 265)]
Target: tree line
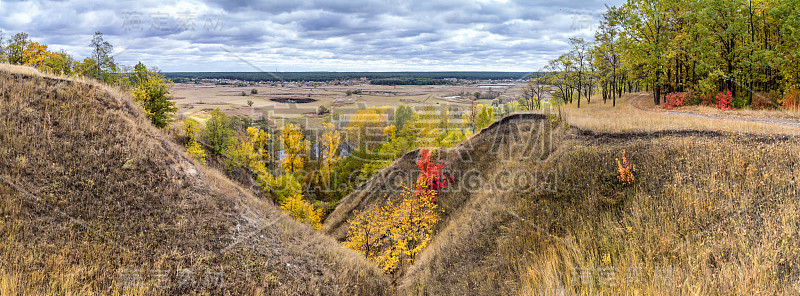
[(701, 47)]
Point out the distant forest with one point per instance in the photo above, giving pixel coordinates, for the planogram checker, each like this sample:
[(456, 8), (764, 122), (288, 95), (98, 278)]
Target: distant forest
[(377, 77)]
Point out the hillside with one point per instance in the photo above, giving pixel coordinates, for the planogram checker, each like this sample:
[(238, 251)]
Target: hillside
[(471, 165), (96, 201), (708, 212)]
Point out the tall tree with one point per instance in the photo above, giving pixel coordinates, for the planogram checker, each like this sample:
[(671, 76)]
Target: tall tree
[(645, 35), (294, 147), (723, 25), (580, 56), (103, 60), (607, 55), (217, 134), (16, 48)]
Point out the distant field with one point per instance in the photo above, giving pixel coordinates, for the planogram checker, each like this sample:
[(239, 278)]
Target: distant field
[(196, 100), (329, 76)]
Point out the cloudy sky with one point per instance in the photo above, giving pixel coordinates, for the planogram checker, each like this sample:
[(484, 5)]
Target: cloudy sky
[(307, 35)]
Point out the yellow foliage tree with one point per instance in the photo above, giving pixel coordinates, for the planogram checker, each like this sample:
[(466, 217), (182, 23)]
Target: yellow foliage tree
[(390, 131), (193, 147), (367, 227), (261, 141), (330, 140), (250, 148), (302, 210), (366, 126), (394, 234), (36, 55), (295, 147)]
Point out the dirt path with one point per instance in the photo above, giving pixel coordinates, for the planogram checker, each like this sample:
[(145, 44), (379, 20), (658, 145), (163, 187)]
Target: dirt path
[(633, 102)]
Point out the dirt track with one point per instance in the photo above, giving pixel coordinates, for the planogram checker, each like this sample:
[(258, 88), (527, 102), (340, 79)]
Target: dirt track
[(634, 102)]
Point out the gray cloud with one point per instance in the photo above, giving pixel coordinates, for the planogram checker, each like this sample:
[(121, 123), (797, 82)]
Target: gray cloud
[(306, 35)]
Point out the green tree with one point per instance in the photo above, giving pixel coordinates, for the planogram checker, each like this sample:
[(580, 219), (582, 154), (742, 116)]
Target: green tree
[(101, 55), (402, 115), (60, 63), (151, 89), (16, 48), (645, 38), (217, 134)]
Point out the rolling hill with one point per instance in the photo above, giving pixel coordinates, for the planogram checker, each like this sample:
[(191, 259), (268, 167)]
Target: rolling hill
[(96, 201)]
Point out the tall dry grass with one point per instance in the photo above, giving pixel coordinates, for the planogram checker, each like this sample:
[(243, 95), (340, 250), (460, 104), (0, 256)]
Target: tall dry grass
[(625, 118), (707, 215)]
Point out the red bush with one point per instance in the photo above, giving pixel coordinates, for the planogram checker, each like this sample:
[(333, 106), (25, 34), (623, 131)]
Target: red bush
[(724, 100), (675, 100), (708, 99), (430, 175)]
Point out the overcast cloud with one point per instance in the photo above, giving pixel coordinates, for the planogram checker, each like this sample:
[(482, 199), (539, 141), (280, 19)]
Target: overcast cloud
[(304, 35)]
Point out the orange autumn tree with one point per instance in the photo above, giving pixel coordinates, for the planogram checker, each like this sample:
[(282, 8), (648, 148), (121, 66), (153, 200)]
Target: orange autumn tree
[(393, 234)]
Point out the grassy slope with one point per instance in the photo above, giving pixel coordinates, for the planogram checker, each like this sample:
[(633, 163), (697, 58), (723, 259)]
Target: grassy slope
[(478, 162), (710, 212), (96, 201)]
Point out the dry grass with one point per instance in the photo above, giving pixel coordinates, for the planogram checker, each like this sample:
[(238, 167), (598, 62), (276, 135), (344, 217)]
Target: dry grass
[(709, 213), (94, 200), (625, 118)]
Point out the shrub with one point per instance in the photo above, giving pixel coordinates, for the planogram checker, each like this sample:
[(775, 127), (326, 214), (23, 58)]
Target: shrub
[(763, 101), (254, 91), (792, 99), (725, 100), (625, 170), (244, 93), (675, 100), (430, 175), (302, 210), (693, 97), (708, 99), (193, 148), (739, 102)]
